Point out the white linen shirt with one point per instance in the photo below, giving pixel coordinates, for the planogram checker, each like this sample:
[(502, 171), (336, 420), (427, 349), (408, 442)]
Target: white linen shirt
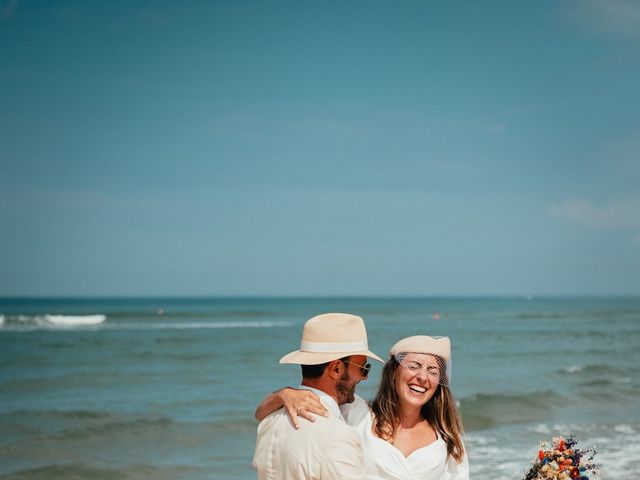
[(327, 449)]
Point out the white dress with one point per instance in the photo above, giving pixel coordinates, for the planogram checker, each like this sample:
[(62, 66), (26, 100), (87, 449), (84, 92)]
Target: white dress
[(383, 461)]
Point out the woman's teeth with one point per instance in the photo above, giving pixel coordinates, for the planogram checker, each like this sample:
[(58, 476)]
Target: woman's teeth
[(417, 388)]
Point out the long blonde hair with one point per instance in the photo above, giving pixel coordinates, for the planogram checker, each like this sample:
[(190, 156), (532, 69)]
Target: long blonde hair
[(440, 412)]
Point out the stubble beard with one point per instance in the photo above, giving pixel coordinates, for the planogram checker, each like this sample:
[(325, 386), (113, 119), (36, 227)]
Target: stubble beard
[(345, 393)]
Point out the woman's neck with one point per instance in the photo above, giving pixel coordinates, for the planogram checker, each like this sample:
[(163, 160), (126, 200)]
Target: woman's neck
[(410, 417)]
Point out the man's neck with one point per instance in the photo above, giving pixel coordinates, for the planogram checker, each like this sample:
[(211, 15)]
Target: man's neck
[(319, 384)]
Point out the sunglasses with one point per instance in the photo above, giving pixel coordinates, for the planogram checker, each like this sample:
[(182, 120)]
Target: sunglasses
[(365, 369)]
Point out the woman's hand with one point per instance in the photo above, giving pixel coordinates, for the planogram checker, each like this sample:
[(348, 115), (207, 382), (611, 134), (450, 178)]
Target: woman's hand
[(301, 403), (296, 402)]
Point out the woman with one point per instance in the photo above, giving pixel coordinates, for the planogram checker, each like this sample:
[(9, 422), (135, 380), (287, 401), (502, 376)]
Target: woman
[(412, 430)]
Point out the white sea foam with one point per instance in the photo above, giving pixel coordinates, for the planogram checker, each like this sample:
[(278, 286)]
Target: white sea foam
[(573, 369), (623, 428), (617, 446), (194, 325), (617, 454), (35, 322), (541, 428), (480, 440), (73, 320), (484, 450), (92, 322), (238, 324)]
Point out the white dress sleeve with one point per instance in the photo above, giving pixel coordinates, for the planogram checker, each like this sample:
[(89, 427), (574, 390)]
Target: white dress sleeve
[(455, 470)]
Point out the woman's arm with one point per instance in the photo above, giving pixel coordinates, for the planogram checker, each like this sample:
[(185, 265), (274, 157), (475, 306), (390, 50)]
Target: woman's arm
[(296, 402)]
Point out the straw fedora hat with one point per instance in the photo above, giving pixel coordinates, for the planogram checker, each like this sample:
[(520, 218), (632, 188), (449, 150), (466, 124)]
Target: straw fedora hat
[(331, 336)]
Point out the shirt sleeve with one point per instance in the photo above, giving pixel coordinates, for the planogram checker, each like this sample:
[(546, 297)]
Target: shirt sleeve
[(343, 458)]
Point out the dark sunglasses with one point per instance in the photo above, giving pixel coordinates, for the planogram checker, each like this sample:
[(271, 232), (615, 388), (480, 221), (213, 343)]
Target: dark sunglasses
[(365, 369)]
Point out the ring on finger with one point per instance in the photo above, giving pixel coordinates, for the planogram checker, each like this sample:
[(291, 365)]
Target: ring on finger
[(300, 410)]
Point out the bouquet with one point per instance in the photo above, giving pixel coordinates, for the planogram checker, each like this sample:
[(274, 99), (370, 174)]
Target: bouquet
[(563, 460)]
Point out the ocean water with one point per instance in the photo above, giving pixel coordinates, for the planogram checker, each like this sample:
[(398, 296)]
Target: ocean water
[(166, 388)]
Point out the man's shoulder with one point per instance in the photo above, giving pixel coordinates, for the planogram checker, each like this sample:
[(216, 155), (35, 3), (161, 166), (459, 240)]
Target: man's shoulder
[(274, 418), (322, 426), (326, 431)]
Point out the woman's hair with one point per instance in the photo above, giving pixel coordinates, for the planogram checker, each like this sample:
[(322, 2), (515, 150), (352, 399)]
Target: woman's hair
[(440, 411)]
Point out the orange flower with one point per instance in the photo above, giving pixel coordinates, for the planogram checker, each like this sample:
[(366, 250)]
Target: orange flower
[(540, 455)]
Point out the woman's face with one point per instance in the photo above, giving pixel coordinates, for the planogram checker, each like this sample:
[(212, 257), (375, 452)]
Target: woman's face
[(416, 379)]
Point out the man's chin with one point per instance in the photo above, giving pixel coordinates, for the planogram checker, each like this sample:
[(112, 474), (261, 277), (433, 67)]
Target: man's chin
[(349, 398)]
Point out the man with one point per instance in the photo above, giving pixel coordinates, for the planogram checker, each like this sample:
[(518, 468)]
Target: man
[(333, 356)]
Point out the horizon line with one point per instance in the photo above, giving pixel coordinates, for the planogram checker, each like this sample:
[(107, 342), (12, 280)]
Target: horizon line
[(527, 296)]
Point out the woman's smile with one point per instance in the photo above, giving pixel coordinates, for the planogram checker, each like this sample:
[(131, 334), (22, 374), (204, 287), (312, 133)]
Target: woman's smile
[(417, 388)]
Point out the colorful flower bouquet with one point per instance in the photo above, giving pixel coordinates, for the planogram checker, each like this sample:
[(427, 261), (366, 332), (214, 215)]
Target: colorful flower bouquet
[(563, 461)]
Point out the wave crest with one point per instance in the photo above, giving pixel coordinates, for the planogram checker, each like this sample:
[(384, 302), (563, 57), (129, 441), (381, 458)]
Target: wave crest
[(34, 322), (51, 321), (71, 321)]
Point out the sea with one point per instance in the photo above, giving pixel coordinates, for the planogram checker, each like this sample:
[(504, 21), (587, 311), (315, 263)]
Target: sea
[(166, 388)]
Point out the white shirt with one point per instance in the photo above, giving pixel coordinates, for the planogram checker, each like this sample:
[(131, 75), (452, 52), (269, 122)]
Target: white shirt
[(327, 449)]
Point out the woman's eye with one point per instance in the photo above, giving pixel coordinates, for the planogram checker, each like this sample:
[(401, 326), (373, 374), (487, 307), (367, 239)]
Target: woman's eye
[(414, 366)]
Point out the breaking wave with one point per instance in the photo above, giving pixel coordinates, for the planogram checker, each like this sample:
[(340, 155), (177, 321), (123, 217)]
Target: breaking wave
[(36, 322), (51, 321)]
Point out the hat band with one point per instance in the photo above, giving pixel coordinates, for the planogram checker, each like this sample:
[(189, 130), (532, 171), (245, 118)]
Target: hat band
[(333, 347)]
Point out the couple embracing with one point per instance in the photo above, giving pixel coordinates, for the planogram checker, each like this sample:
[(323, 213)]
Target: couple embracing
[(411, 430)]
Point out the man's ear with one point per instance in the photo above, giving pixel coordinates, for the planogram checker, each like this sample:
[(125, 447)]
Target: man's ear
[(334, 369)]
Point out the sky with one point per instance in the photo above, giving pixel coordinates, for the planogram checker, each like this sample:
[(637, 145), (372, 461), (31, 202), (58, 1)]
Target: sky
[(319, 148)]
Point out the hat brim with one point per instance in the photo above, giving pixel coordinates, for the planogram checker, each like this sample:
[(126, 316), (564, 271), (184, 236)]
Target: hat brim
[(301, 357)]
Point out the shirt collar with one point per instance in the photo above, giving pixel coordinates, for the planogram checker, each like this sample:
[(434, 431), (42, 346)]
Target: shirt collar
[(326, 399)]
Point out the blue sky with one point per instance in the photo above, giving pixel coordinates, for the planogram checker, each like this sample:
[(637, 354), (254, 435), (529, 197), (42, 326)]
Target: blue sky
[(319, 148)]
